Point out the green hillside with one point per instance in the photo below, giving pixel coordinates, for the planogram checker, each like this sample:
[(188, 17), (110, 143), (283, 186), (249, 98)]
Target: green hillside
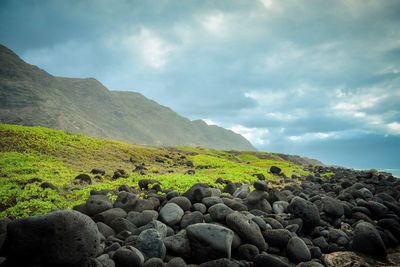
[(30, 156)]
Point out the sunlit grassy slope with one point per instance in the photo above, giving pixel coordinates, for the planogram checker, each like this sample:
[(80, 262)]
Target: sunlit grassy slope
[(58, 157)]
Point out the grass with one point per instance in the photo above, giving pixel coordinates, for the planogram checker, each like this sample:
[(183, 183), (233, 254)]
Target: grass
[(57, 157)]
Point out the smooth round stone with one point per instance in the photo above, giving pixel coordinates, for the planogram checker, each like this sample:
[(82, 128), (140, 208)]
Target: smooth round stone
[(171, 213), (297, 250)]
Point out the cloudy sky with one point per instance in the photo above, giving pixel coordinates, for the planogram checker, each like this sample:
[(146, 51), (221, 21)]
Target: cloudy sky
[(314, 78)]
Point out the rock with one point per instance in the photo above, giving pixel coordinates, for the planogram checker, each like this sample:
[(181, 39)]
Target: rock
[(146, 184), (49, 185), (105, 230), (191, 218), (105, 261), (248, 252), (218, 212), (143, 204), (211, 201), (109, 215), (60, 237), (119, 173), (259, 176), (321, 243), (98, 171), (153, 262), (142, 218), (182, 202), (209, 241), (176, 262), (229, 188), (97, 203), (122, 224), (178, 244), (171, 214), (150, 244), (264, 260), (368, 241), (197, 192), (332, 207), (297, 250), (242, 191), (277, 237), (3, 230), (246, 229), (128, 257), (304, 209), (200, 207), (279, 207), (220, 263), (160, 227), (349, 258), (126, 201), (261, 185), (83, 179), (275, 170), (378, 210)]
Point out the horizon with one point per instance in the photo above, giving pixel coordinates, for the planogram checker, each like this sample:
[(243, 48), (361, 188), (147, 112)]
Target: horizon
[(320, 80)]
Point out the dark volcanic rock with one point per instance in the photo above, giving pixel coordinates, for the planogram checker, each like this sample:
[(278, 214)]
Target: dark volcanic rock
[(128, 257), (367, 240), (150, 244), (209, 241), (247, 229), (60, 237), (97, 203), (83, 179), (264, 260), (297, 250), (305, 210), (275, 170)]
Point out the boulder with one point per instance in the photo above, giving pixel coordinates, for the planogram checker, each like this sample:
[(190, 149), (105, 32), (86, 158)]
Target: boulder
[(297, 250), (150, 244), (209, 241), (368, 241), (305, 210), (128, 257), (57, 238), (171, 214), (247, 229)]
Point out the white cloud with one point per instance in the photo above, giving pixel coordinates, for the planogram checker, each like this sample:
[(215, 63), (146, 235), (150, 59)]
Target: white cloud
[(154, 50), (210, 122), (313, 136), (257, 136), (394, 127), (215, 23)]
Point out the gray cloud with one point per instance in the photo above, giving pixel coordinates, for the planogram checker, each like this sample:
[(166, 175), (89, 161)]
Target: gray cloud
[(290, 75)]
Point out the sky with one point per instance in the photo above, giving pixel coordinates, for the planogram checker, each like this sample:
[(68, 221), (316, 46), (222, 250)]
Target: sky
[(313, 78)]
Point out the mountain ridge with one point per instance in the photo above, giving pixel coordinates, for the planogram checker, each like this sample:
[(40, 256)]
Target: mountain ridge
[(31, 96)]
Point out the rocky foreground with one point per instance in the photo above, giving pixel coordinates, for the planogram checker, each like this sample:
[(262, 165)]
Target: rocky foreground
[(350, 219)]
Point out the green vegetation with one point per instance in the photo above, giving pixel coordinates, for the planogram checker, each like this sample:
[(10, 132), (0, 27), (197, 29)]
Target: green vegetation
[(327, 174), (30, 156)]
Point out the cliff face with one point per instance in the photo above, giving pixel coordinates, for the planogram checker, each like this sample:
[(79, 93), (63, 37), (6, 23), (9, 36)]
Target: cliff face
[(31, 96)]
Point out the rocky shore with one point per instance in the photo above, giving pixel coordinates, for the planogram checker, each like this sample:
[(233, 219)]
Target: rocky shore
[(349, 219)]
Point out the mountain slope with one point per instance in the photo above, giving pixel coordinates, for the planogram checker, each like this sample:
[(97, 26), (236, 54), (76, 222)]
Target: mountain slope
[(31, 96)]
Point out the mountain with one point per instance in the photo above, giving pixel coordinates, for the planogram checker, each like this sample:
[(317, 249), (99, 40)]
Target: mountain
[(31, 96)]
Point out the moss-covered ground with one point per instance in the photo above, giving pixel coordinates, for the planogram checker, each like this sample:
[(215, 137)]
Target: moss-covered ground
[(30, 156)]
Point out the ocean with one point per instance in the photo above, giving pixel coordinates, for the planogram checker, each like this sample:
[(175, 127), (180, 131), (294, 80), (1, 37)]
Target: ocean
[(394, 172)]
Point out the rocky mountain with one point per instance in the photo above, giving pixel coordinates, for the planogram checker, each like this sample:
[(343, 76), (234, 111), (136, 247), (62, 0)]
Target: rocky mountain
[(31, 96)]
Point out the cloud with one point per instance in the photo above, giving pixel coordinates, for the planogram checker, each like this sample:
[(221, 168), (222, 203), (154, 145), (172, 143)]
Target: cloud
[(257, 136), (154, 50)]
